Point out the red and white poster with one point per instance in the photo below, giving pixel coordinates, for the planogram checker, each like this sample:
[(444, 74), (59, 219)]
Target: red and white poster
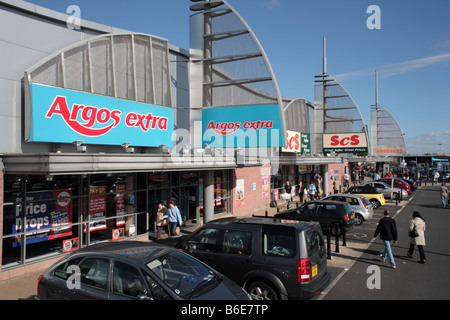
[(97, 208), (239, 192)]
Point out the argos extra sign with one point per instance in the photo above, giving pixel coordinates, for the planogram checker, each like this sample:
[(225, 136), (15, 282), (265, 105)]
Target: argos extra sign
[(63, 116), (345, 143)]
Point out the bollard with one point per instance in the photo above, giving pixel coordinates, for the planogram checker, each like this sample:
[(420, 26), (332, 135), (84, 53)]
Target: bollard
[(278, 209), (296, 204), (267, 213), (337, 241), (344, 238), (329, 244), (397, 195)]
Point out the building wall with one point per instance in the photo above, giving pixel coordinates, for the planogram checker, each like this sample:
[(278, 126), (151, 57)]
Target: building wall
[(339, 171), (253, 198)]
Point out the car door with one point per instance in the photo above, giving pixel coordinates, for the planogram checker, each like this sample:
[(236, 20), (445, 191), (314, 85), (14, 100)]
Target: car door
[(203, 244), (306, 212), (235, 253)]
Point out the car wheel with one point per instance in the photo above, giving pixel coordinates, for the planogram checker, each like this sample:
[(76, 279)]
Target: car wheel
[(375, 203), (358, 219), (260, 290)]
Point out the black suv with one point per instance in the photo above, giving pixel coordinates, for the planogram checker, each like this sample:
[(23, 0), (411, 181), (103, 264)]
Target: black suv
[(270, 259), (330, 214)]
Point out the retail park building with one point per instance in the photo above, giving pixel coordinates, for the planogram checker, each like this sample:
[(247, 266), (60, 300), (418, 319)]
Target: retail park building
[(98, 124)]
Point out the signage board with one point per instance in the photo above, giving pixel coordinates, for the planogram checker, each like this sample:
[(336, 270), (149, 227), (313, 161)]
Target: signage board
[(297, 142), (243, 126), (345, 143), (64, 116)]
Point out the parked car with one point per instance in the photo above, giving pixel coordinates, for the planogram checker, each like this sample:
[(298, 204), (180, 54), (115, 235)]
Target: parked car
[(270, 259), (375, 197), (134, 270), (360, 204), (330, 214), (412, 184), (398, 183), (386, 189)]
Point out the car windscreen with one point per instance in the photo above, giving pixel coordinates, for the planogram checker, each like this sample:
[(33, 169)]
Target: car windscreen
[(183, 274)]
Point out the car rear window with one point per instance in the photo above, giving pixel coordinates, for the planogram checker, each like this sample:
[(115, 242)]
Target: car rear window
[(279, 241), (315, 243), (366, 201)]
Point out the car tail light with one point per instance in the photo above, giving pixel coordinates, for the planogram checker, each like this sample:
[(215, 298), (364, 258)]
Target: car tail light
[(39, 285), (346, 217), (303, 270)]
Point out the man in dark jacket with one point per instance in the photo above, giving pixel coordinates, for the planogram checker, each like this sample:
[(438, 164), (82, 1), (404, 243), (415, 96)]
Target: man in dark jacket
[(387, 229)]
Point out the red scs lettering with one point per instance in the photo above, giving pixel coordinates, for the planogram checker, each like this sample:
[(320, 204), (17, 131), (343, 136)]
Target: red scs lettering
[(336, 141), (108, 119)]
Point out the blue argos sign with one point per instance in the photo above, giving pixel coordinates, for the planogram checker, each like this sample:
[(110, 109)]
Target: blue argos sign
[(243, 126), (95, 119)]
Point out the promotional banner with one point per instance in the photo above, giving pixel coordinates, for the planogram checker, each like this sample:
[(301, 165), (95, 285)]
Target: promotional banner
[(97, 208), (47, 215), (345, 143), (96, 119), (246, 126)]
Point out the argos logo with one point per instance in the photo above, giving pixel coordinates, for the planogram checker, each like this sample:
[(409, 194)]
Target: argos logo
[(226, 128), (93, 121)]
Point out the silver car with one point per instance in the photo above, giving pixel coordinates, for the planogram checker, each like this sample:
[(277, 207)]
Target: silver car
[(360, 204), (385, 189)]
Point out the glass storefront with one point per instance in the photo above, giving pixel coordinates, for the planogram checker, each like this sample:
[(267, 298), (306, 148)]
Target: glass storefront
[(48, 215)]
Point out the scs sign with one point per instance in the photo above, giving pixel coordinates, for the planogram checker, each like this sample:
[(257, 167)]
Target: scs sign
[(292, 142), (345, 143)]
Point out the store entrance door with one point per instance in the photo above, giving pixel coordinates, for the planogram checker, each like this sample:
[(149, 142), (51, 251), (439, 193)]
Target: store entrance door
[(189, 203)]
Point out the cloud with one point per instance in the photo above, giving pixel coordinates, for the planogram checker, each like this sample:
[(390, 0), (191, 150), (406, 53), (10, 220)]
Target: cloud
[(272, 4), (397, 68), (431, 142)]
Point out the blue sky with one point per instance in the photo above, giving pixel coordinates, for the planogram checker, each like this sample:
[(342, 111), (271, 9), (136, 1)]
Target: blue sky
[(411, 50)]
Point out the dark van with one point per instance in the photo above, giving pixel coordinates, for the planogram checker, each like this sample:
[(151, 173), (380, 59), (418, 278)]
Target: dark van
[(269, 258)]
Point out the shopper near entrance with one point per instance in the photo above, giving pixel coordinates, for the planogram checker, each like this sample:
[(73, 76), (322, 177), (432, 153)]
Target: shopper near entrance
[(312, 190), (416, 235), (444, 194), (175, 220), (288, 189), (161, 224), (387, 229)]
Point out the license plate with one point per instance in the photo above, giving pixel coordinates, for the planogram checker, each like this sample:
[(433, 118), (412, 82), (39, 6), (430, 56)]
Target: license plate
[(314, 271)]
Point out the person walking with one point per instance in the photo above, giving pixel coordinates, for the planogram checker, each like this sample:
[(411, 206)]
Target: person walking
[(175, 220), (417, 237), (387, 229), (444, 194), (288, 189), (161, 224), (312, 190)]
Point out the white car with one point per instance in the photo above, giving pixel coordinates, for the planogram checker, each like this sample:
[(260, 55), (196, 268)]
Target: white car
[(385, 189)]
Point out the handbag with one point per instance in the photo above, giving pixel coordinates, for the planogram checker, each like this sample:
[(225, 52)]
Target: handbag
[(413, 233)]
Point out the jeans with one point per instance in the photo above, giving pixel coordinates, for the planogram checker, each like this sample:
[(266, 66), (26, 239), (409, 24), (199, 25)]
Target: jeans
[(444, 200), (388, 252)]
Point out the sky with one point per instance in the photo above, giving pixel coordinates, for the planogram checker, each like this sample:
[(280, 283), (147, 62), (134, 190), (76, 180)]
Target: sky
[(409, 47)]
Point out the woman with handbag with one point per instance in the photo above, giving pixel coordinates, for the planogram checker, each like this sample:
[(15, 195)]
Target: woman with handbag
[(417, 236)]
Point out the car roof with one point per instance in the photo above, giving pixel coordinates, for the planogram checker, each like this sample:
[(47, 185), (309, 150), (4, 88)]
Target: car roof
[(260, 220), (126, 250), (350, 195)]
